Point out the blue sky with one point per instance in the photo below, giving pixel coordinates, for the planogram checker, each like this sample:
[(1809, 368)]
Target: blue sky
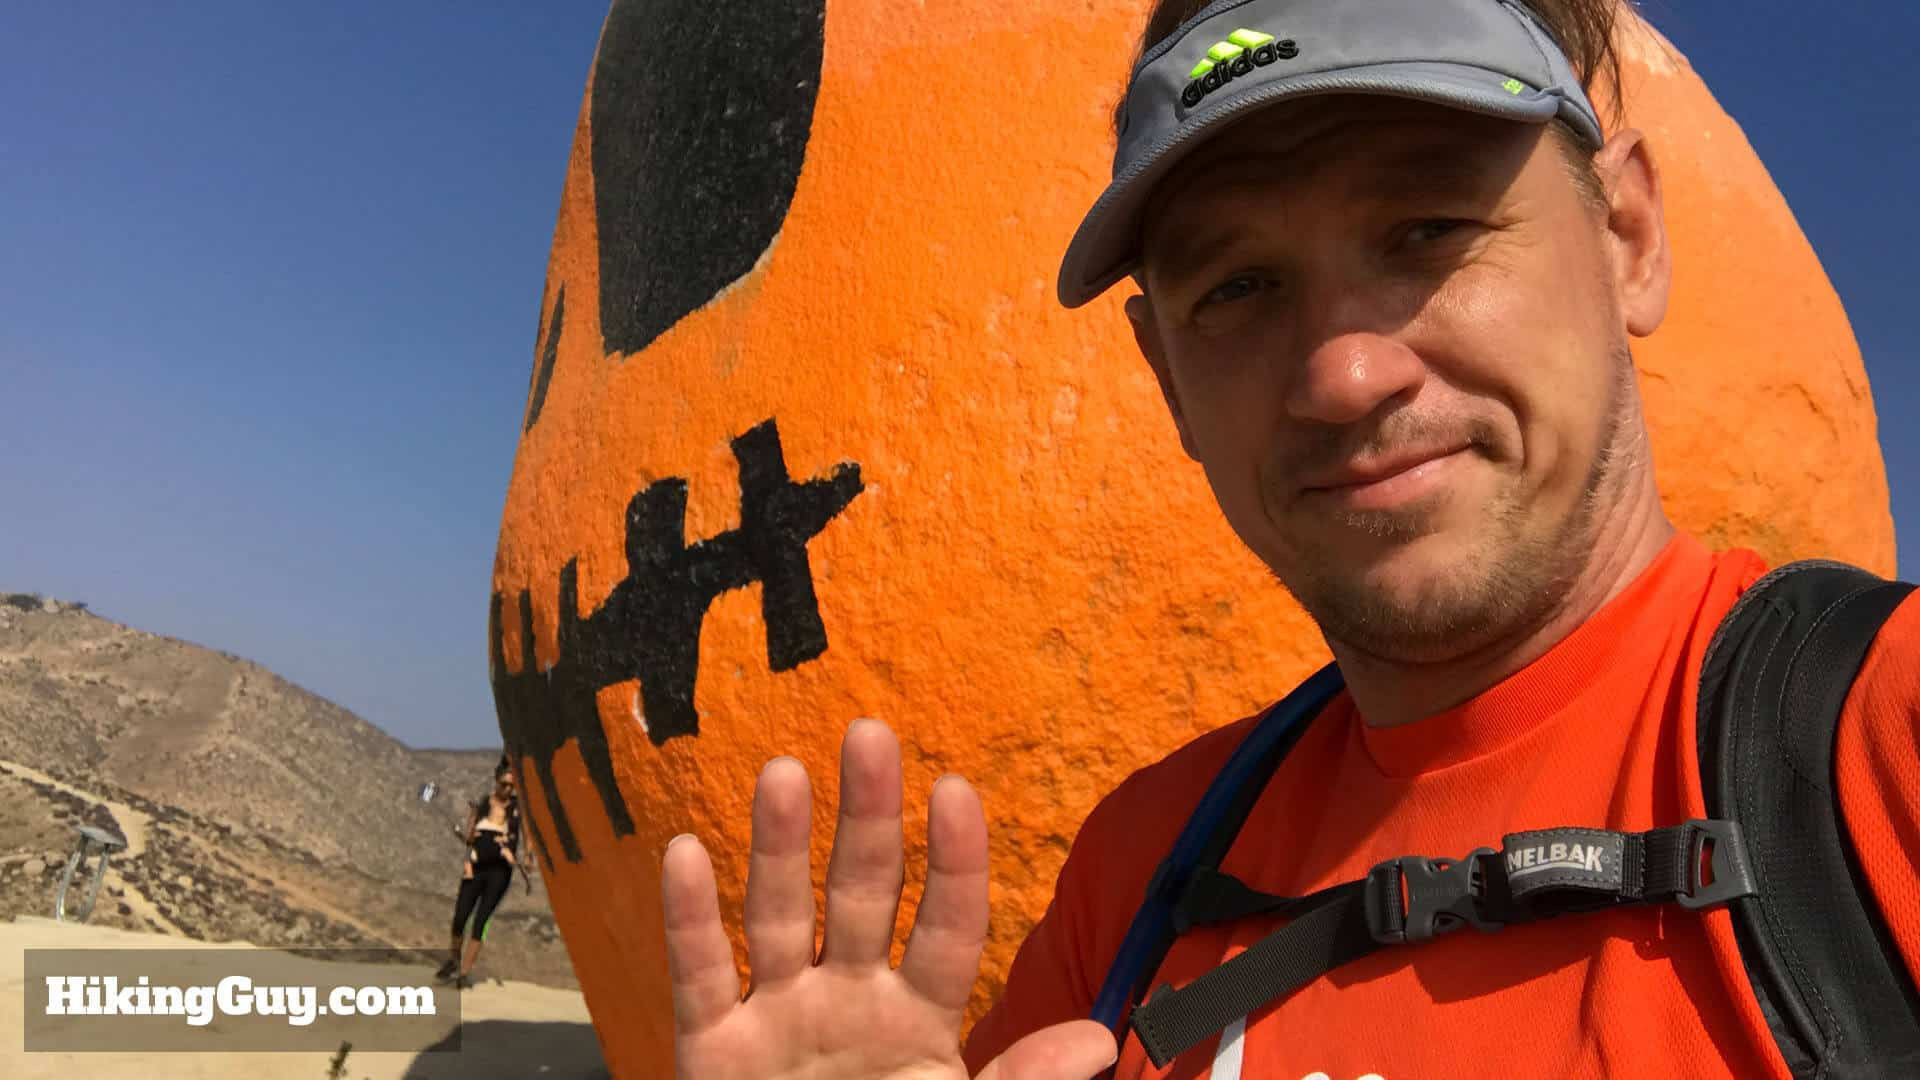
[(270, 278)]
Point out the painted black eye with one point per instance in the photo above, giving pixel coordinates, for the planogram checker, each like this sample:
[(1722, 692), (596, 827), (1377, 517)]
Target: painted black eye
[(701, 112)]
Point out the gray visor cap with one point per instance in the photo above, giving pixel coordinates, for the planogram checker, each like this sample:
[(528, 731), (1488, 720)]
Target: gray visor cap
[(1485, 56)]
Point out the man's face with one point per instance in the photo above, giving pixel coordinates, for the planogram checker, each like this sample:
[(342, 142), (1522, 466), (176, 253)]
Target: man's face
[(1392, 335)]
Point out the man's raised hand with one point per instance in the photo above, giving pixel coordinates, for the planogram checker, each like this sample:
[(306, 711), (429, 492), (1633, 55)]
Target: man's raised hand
[(846, 1013)]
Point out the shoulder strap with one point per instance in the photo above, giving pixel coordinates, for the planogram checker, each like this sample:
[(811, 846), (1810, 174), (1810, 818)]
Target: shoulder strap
[(513, 842), (1833, 987), (1214, 824), (1410, 900)]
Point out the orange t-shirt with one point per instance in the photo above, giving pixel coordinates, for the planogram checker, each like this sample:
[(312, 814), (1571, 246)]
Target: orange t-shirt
[(1597, 732)]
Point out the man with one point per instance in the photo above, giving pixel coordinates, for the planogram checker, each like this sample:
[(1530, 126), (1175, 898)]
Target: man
[(492, 835), (1389, 270)]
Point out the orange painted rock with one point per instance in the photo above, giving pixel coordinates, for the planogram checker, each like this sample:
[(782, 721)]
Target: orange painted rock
[(808, 439)]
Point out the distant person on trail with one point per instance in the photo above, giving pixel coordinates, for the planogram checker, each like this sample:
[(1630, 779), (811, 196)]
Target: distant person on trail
[(1387, 262), (492, 834)]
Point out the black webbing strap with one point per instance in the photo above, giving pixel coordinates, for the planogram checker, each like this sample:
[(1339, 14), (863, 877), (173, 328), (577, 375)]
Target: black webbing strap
[(1234, 816), (1815, 943), (1539, 874), (1331, 933), (1213, 897)]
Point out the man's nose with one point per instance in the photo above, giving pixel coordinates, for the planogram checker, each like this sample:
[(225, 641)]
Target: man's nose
[(1347, 376)]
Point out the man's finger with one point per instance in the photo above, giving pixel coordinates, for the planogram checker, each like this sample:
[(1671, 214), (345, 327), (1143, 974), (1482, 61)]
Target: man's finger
[(706, 985), (943, 955), (779, 908), (1075, 1050), (865, 873)]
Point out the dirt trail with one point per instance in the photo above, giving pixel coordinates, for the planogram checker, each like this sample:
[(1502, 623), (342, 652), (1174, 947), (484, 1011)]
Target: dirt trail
[(293, 891), (133, 825), (138, 903)]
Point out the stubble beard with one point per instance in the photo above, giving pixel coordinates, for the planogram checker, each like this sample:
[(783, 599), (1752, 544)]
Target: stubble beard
[(1515, 576)]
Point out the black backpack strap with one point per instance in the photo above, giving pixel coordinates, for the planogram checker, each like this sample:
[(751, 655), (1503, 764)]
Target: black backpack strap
[(1539, 874), (1204, 840), (520, 866), (1827, 975)]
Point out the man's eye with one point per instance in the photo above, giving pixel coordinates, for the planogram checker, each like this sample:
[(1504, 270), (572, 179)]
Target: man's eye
[(1238, 287), (1426, 232)]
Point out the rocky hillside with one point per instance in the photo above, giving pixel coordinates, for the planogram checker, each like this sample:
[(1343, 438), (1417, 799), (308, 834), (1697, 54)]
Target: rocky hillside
[(252, 809)]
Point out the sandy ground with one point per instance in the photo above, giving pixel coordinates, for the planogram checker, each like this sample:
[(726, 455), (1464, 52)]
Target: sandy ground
[(515, 1030)]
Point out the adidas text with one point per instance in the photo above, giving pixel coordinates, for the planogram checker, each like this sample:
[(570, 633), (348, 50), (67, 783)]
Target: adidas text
[(1243, 51)]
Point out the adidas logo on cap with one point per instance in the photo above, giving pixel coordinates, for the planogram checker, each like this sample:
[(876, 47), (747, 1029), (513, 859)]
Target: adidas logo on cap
[(1243, 51)]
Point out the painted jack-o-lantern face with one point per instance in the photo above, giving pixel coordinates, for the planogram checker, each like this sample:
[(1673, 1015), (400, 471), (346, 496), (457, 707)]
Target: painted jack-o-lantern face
[(807, 439)]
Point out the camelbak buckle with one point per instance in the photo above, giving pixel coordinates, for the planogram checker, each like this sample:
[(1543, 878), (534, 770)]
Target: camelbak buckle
[(1717, 869), (1414, 898)]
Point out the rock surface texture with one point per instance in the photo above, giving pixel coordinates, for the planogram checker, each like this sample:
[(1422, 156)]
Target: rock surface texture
[(808, 439)]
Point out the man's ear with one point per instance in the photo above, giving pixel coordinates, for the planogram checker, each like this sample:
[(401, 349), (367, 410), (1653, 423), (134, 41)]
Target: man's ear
[(1146, 334), (1636, 230)]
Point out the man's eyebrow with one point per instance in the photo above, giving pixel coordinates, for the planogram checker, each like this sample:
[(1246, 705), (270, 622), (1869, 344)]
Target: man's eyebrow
[(1184, 250)]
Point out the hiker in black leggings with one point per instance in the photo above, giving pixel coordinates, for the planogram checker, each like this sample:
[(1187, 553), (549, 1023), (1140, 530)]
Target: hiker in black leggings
[(493, 853)]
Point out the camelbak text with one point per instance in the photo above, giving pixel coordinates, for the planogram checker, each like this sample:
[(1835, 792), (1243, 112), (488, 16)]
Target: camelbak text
[(1529, 860)]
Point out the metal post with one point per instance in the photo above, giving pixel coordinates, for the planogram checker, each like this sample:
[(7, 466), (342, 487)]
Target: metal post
[(90, 840)]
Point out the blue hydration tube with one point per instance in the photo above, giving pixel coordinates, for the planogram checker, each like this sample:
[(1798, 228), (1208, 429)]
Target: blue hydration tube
[(1153, 924)]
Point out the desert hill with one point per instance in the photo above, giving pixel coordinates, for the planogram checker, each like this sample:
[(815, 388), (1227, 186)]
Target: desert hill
[(253, 810)]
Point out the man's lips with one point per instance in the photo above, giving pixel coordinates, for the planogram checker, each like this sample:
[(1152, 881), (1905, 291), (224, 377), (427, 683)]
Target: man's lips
[(1377, 467), (1386, 480)]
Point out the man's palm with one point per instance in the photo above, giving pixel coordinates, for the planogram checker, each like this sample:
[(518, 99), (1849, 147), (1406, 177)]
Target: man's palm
[(846, 1013)]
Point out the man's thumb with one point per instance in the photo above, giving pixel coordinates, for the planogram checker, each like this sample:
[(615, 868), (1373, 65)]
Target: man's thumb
[(1075, 1050)]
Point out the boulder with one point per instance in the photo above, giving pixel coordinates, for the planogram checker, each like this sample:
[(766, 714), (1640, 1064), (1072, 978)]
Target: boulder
[(807, 438)]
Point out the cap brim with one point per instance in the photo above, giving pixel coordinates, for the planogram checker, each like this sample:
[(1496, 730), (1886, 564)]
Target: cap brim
[(1106, 246)]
